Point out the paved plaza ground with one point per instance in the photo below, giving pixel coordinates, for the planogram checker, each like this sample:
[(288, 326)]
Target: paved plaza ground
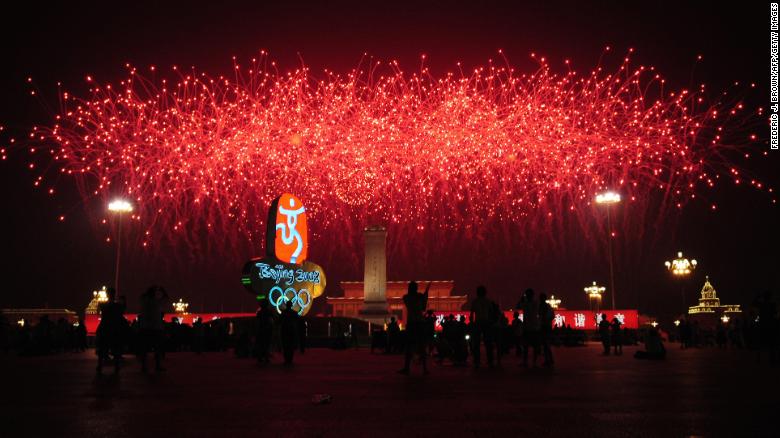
[(695, 392)]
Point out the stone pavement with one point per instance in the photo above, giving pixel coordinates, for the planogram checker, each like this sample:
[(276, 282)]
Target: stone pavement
[(695, 392)]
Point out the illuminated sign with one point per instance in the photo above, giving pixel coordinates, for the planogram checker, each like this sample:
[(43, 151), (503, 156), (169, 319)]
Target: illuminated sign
[(286, 233), (576, 319), (284, 284), (284, 277)]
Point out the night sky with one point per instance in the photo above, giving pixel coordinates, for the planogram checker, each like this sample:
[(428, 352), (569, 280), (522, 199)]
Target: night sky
[(57, 264)]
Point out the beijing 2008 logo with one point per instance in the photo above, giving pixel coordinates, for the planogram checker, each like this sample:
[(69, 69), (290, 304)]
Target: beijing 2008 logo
[(284, 276), (291, 240)]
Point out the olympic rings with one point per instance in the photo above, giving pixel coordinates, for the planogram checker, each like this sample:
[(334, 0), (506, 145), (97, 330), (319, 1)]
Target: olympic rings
[(278, 297)]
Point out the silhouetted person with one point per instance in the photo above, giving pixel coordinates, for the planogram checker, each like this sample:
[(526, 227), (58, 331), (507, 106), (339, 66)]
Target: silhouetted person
[(430, 330), (531, 325), (265, 332), (604, 333), (198, 335), (546, 317), (654, 346), (517, 333), (459, 344), (617, 336), (502, 333), (393, 335), (353, 336), (109, 335), (415, 326), (288, 322), (61, 333), (152, 328), (43, 334), (686, 333), (482, 320), (341, 338), (80, 336)]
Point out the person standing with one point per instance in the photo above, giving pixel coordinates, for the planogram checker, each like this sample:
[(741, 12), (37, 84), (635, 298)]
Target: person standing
[(530, 309), (416, 304), (109, 331), (546, 316), (152, 326), (288, 332), (617, 336), (604, 333), (517, 333), (264, 332), (393, 333), (482, 326)]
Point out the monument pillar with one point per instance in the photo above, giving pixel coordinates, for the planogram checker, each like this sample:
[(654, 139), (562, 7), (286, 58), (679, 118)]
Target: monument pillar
[(375, 276)]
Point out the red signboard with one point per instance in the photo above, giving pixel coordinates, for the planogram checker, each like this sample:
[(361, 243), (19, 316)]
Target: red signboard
[(576, 319)]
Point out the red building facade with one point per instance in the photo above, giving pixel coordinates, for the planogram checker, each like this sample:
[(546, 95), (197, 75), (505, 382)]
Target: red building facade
[(440, 298)]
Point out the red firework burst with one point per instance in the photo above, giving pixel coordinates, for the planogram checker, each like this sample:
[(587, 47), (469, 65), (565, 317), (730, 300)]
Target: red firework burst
[(493, 152)]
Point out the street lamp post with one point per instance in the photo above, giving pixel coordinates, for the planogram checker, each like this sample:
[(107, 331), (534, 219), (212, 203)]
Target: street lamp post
[(594, 296), (608, 199), (553, 302), (119, 206), (181, 306), (681, 268)]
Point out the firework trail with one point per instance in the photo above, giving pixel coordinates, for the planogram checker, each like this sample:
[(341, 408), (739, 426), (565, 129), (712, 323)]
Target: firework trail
[(478, 156)]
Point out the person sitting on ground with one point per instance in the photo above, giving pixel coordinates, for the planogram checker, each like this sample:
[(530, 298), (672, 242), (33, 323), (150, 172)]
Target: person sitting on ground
[(654, 346)]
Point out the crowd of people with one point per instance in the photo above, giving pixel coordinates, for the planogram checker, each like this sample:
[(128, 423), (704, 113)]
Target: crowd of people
[(43, 337), (759, 331), (531, 336), (274, 331), (151, 334), (530, 333)]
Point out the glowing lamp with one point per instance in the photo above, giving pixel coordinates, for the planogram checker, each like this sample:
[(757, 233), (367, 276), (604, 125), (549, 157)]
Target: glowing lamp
[(595, 291), (554, 303), (100, 295), (725, 319), (681, 266), (181, 306), (609, 197), (120, 206), (676, 322), (654, 324)]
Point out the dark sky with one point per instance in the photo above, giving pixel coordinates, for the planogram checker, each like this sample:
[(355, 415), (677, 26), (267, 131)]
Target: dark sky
[(48, 262)]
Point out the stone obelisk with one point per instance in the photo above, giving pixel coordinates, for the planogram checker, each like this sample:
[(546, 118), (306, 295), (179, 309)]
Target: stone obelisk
[(375, 276)]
